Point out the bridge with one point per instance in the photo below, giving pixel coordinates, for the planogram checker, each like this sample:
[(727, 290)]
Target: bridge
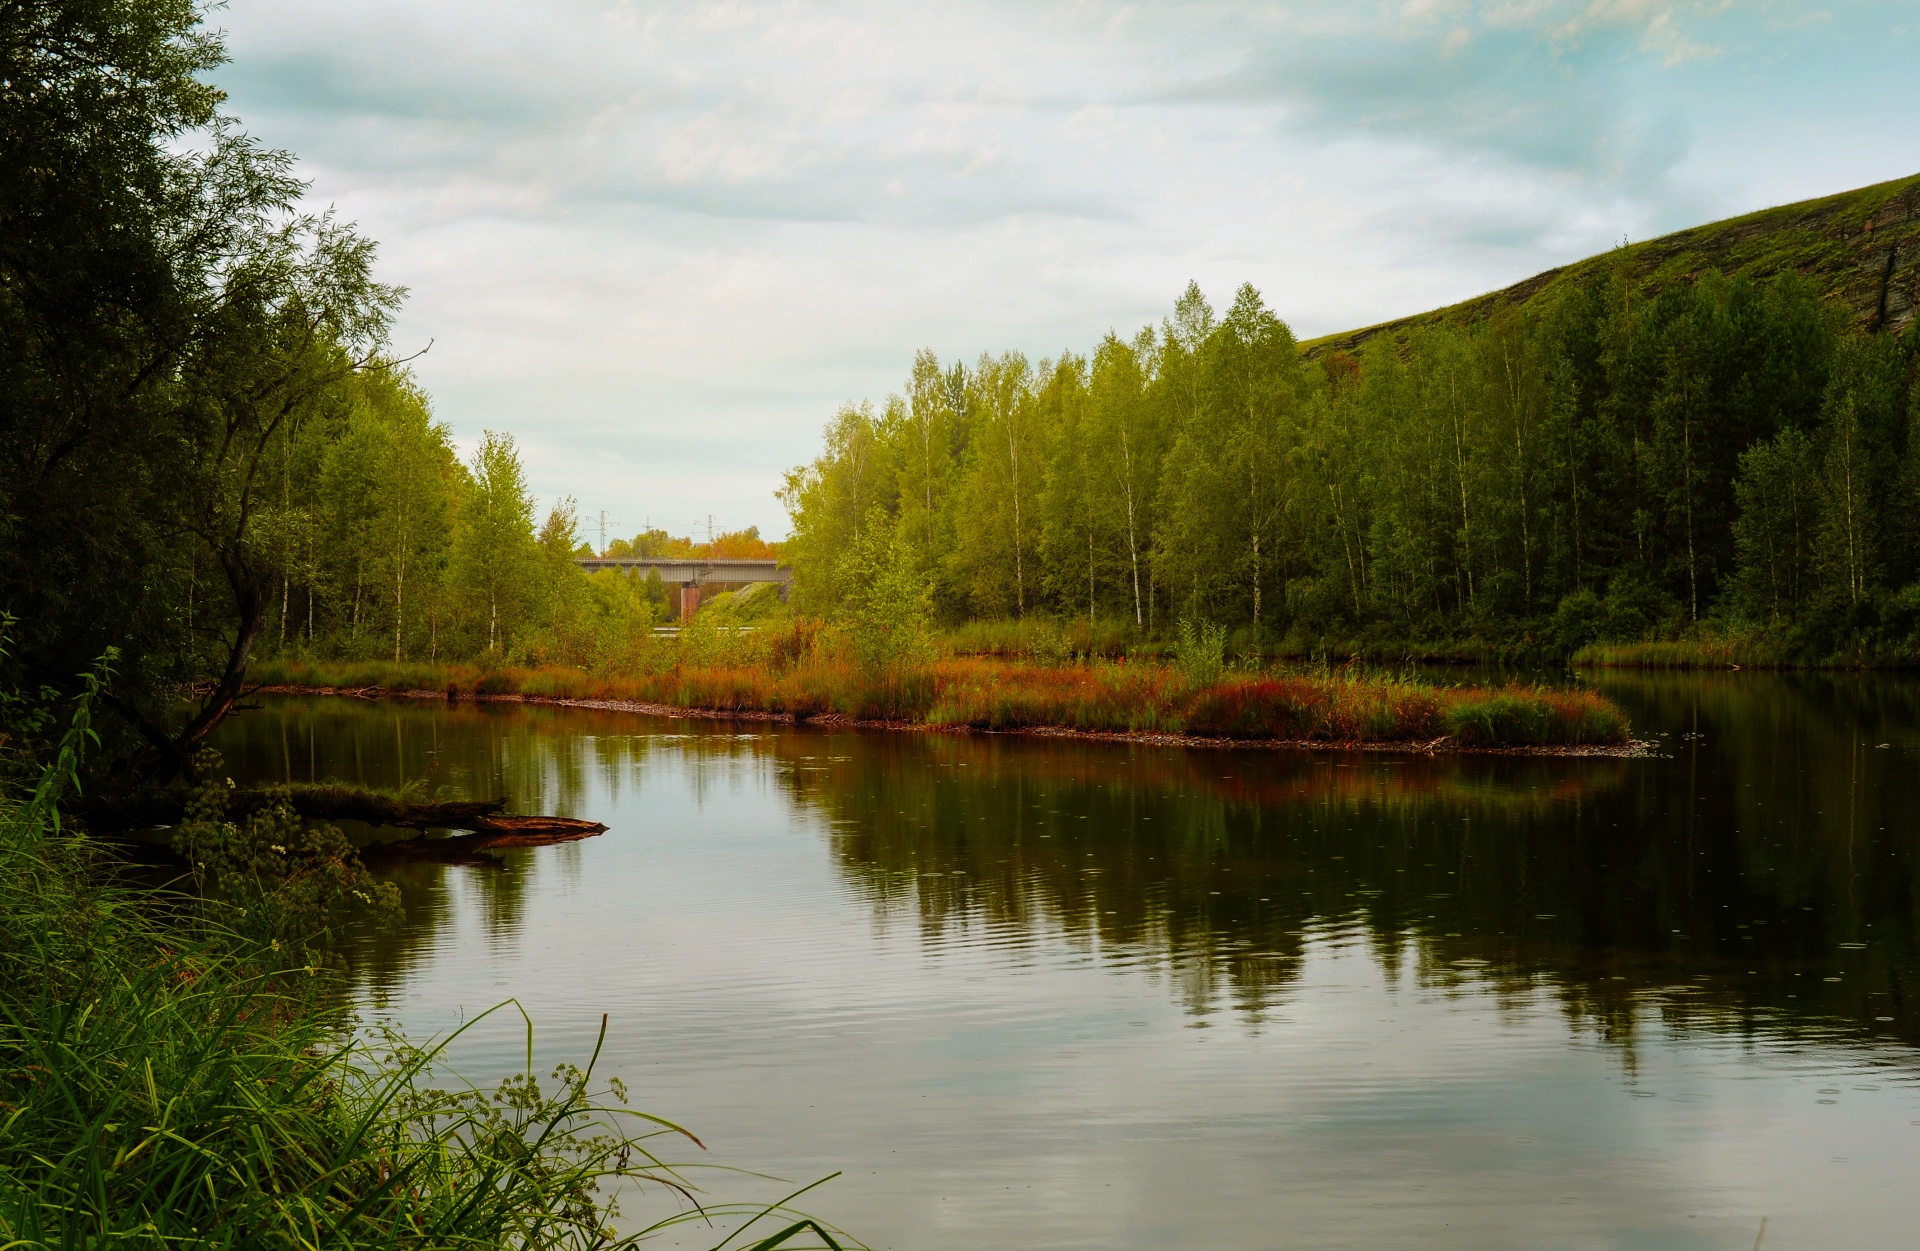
[(693, 575)]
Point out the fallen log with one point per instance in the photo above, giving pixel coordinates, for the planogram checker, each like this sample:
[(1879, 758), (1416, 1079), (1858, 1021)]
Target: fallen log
[(494, 834), (508, 831)]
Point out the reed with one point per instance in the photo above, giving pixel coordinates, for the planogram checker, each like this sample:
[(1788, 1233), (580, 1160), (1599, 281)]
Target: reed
[(165, 1082), (992, 694), (1042, 639), (1695, 653)]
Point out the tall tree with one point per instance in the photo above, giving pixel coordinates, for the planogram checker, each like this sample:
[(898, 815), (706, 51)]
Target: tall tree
[(995, 552), (1125, 442), (495, 560), (167, 318)]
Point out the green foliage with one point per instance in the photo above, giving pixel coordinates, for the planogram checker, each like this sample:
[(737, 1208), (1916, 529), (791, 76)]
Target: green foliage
[(170, 322), (1777, 527), (756, 604), (654, 589), (1038, 638), (1628, 459), (1200, 652), (282, 882), (371, 530), (495, 556), (886, 603)]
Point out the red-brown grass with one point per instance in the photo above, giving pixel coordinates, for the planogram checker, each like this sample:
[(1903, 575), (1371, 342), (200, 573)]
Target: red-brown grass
[(988, 694)]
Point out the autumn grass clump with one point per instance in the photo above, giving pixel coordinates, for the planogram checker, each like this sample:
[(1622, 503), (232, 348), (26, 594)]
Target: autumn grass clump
[(981, 693), (1502, 716), (1377, 709), (1365, 709), (994, 695)]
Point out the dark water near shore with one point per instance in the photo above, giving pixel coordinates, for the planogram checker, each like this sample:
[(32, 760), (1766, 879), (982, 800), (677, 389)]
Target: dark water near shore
[(1049, 994)]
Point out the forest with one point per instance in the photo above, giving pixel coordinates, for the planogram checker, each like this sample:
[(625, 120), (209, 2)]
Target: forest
[(384, 543), (1625, 461)]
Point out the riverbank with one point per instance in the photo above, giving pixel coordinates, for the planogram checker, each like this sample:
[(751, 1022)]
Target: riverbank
[(183, 1068), (1757, 652), (1141, 702), (1044, 641)]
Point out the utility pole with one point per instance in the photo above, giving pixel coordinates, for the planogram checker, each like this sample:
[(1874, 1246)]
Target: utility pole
[(603, 532)]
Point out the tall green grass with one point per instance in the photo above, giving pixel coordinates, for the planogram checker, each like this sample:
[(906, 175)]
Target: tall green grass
[(1041, 639), (167, 1082), (1695, 653)]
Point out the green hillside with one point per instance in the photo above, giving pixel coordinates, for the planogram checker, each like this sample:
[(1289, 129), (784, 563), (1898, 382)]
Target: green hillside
[(1861, 247)]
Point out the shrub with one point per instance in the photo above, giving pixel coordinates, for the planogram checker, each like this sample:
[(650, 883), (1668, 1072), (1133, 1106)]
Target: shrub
[(1200, 652)]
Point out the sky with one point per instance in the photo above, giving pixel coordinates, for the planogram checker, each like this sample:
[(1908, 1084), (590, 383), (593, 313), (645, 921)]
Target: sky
[(661, 243)]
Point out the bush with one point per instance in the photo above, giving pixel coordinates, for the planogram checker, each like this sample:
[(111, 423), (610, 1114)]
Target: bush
[(1634, 609), (1580, 619), (886, 621), (1200, 652)]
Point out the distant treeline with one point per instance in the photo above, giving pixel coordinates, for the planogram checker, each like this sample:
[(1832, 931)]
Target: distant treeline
[(383, 543), (1614, 464)]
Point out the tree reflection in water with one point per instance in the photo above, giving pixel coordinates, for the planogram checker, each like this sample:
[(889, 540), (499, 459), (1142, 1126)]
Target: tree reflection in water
[(1760, 877)]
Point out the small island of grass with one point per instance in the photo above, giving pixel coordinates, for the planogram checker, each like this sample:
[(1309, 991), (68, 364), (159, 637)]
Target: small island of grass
[(804, 673)]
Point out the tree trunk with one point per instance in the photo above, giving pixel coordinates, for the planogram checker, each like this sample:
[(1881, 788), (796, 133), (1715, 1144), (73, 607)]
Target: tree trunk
[(1133, 546), (1019, 569), (1253, 512), (399, 586)]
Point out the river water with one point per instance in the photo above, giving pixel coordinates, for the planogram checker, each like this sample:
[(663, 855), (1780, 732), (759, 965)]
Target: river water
[(1038, 993)]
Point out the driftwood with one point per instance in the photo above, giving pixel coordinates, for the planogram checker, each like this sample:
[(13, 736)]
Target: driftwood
[(496, 834)]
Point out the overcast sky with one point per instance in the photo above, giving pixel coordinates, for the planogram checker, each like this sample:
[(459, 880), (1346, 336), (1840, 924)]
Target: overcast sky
[(661, 242)]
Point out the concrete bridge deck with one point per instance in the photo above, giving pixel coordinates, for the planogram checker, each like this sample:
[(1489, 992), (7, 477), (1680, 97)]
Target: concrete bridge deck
[(692, 572)]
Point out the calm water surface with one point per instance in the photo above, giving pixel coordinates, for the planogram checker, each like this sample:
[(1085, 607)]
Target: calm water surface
[(1045, 994)]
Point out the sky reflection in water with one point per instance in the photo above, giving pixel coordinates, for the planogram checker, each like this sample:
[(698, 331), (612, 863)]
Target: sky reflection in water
[(1052, 994)]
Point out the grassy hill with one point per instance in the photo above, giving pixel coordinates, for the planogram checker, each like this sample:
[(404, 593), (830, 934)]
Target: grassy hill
[(1862, 247)]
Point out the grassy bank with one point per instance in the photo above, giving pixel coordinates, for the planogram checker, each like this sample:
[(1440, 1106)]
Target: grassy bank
[(987, 694), (1703, 653), (1716, 645), (170, 1079)]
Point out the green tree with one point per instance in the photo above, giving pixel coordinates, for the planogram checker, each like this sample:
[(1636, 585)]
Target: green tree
[(168, 318), (829, 500), (995, 552), (392, 482), (1124, 445), (495, 559), (886, 602), (1778, 494)]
